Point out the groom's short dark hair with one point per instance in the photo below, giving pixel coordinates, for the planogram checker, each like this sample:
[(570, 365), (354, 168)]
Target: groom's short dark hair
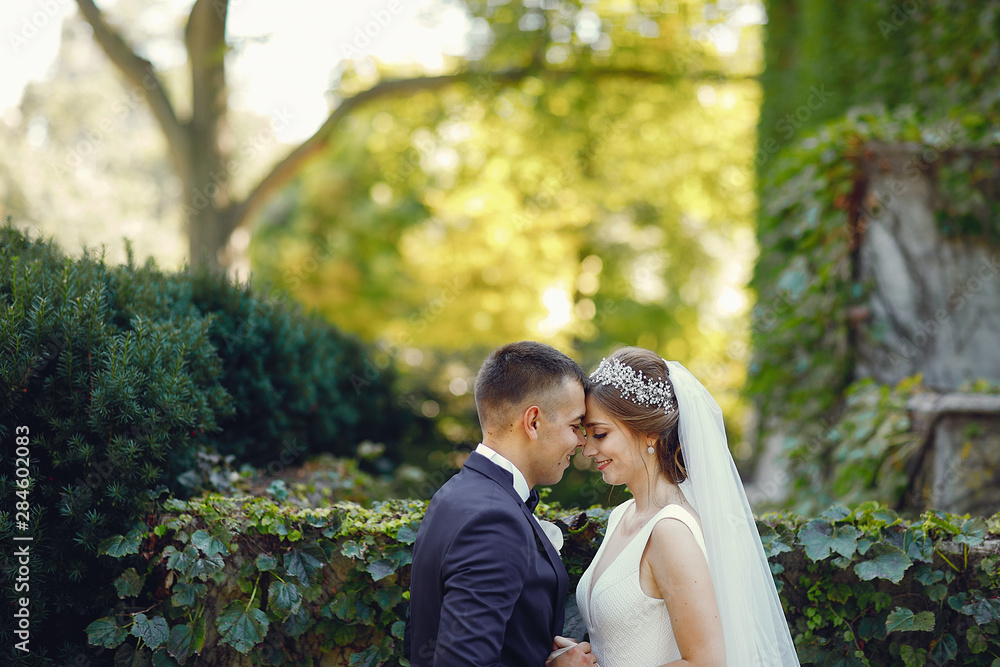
[(521, 374)]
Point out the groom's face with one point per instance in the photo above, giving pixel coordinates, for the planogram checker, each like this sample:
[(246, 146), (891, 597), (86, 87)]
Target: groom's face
[(560, 432)]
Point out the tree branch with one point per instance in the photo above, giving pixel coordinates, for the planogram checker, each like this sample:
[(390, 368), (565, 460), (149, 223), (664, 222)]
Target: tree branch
[(139, 72), (286, 169)]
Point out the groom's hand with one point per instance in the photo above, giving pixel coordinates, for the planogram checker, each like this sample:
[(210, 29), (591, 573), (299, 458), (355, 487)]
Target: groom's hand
[(570, 654)]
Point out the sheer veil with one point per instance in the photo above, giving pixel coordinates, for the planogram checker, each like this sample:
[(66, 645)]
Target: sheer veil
[(755, 629)]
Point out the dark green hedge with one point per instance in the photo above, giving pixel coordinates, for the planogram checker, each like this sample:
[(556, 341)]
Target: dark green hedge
[(296, 381), (122, 379), (241, 581)]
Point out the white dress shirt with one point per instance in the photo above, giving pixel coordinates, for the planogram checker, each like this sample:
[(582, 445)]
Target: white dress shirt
[(551, 530)]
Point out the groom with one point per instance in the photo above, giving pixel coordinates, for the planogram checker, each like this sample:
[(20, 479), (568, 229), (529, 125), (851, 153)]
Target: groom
[(487, 586)]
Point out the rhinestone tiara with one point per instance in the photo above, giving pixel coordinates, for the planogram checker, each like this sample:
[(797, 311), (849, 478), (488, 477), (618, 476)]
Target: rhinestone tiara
[(633, 385)]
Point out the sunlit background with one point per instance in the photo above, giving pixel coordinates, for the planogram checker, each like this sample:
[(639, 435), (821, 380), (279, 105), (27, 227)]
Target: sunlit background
[(584, 209)]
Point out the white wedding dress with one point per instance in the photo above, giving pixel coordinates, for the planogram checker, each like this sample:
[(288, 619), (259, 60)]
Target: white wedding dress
[(627, 627)]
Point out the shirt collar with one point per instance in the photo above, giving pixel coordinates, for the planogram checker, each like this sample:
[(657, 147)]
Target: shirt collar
[(520, 484)]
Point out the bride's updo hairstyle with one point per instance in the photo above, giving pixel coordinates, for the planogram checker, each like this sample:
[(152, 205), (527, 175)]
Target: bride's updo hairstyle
[(646, 420)]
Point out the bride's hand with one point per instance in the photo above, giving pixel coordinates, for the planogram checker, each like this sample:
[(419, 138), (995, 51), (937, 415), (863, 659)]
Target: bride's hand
[(569, 653)]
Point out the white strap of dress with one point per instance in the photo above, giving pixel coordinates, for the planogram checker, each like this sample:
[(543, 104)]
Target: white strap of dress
[(681, 514)]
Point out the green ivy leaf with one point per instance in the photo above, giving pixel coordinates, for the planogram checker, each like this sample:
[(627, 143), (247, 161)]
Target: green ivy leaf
[(401, 557), (816, 537), (152, 631), (186, 594), (387, 598), (242, 628), (904, 620), (936, 592), (845, 540), (351, 549), (890, 564), (301, 565), (872, 627), (381, 569), (885, 517), (298, 622), (864, 544), (973, 532), (944, 649), (183, 561), (982, 609), (129, 583), (978, 640), (208, 544), (913, 657), (342, 607), (927, 575), (187, 640), (367, 658), (162, 659), (344, 634), (772, 543), (284, 598), (919, 549), (406, 535), (106, 632), (266, 563), (364, 613), (398, 629), (119, 545), (204, 567), (836, 513)]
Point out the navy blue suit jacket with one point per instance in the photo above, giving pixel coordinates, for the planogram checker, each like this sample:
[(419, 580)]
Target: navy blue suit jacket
[(486, 585)]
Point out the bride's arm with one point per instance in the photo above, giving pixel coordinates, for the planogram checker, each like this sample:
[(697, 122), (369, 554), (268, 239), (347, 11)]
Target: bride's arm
[(681, 578)]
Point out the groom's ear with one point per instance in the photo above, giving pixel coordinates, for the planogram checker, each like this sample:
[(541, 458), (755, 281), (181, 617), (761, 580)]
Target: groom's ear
[(529, 422)]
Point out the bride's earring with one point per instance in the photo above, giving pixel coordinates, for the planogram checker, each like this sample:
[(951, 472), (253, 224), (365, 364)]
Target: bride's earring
[(650, 448)]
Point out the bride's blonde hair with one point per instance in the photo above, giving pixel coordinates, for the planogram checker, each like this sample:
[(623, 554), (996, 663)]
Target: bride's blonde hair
[(644, 421)]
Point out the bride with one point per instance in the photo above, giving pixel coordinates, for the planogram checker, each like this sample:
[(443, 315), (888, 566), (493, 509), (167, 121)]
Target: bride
[(681, 577)]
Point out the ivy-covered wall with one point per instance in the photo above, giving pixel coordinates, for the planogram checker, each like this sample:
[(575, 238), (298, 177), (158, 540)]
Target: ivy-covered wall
[(850, 91), (241, 581)]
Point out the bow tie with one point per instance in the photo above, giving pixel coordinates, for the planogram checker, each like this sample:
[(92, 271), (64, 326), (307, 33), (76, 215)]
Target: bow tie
[(532, 501)]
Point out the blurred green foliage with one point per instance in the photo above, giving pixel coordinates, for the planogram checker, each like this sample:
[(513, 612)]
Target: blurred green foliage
[(604, 199), (941, 58)]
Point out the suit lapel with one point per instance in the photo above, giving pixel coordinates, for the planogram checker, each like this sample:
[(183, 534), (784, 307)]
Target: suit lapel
[(484, 466)]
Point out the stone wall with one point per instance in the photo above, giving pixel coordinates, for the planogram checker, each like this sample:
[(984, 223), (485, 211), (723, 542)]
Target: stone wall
[(934, 310), (935, 306)]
